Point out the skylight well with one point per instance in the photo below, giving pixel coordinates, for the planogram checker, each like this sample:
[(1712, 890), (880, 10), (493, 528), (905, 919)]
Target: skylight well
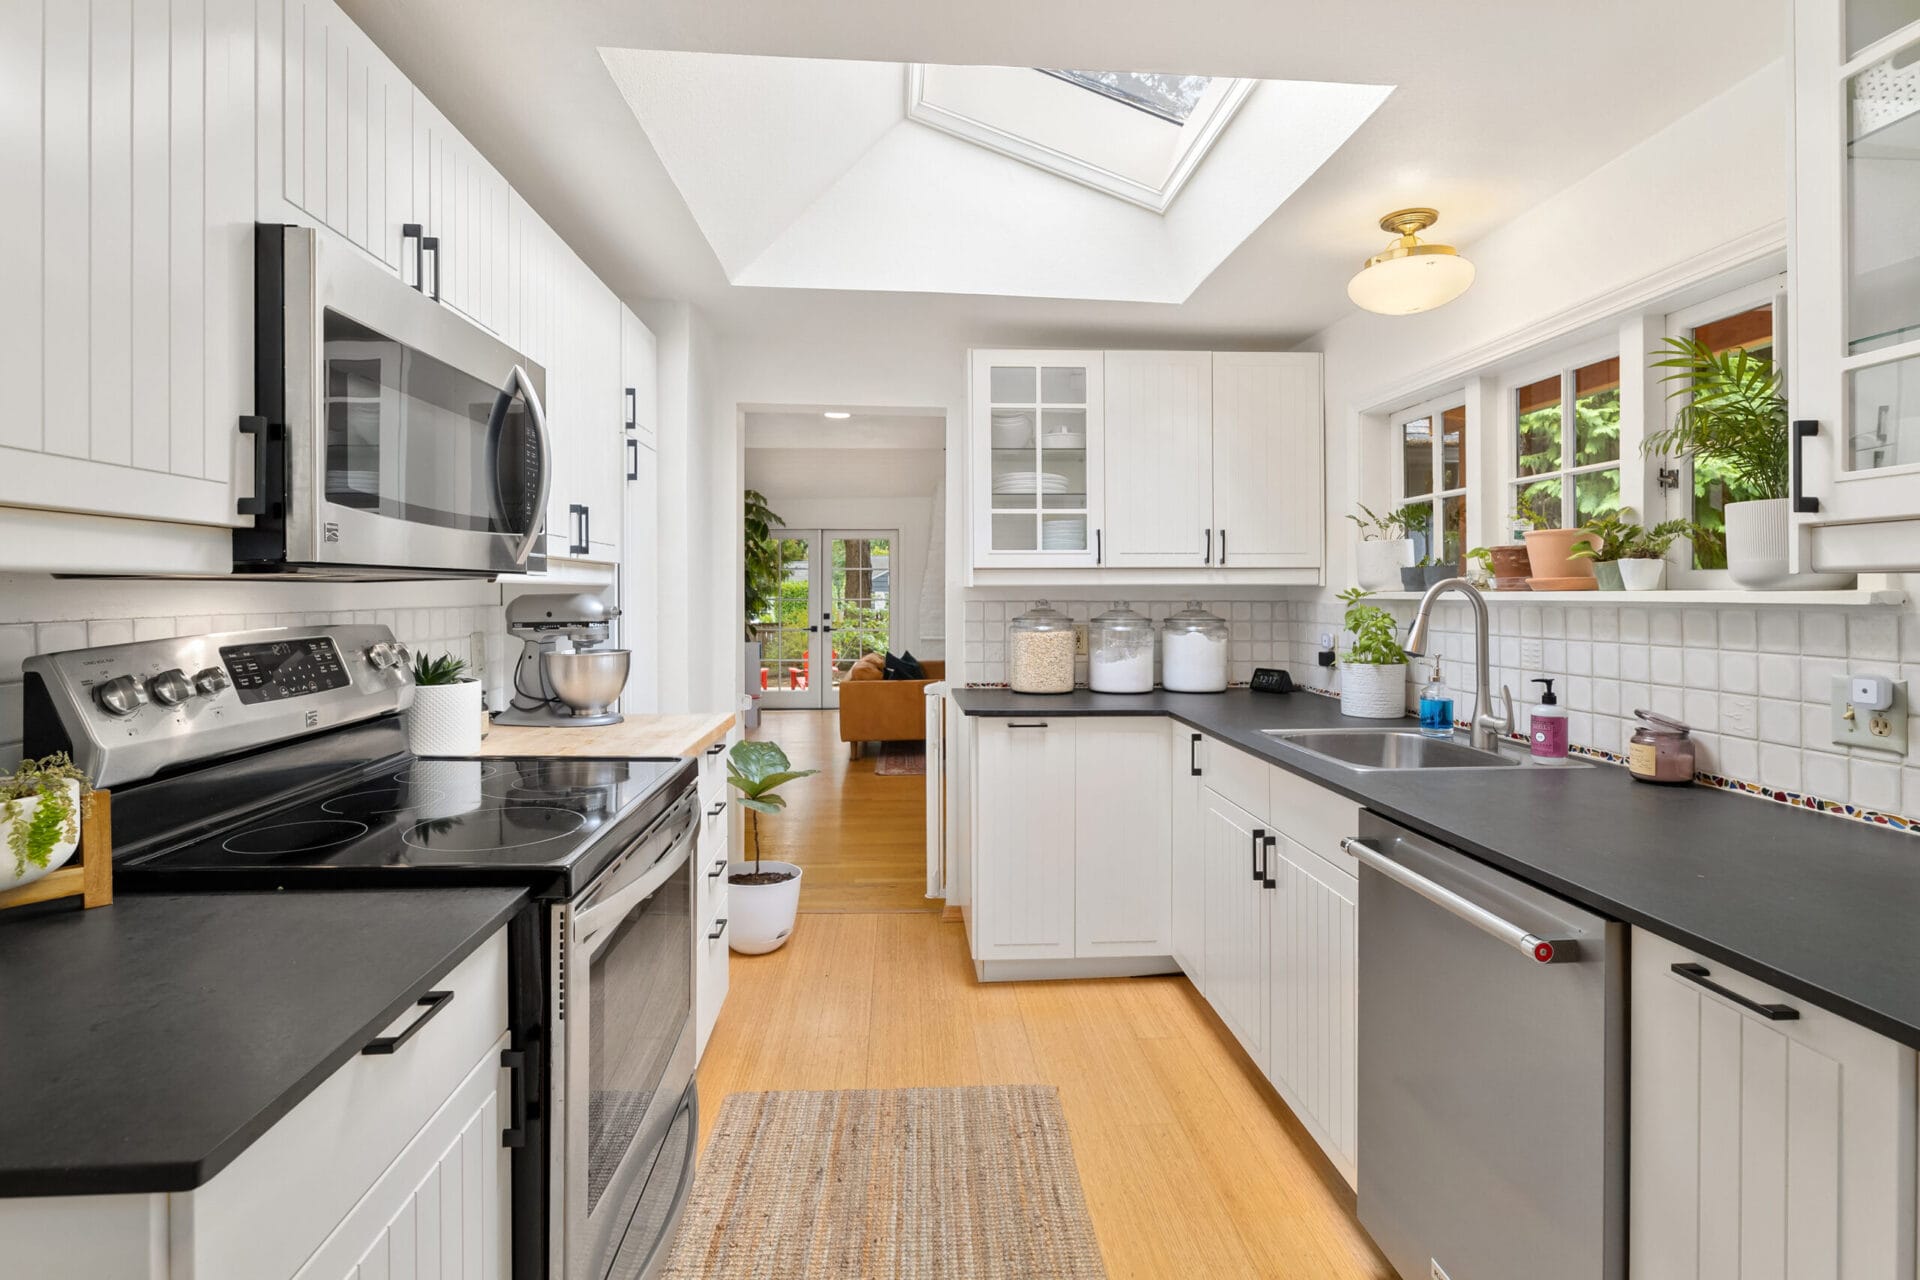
[(1171, 98)]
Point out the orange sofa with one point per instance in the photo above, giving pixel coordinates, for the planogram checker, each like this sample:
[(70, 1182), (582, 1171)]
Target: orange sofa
[(886, 710)]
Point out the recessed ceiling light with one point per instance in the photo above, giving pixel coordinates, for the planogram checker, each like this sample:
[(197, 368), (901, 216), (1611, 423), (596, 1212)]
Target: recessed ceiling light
[(1410, 275), (836, 413)]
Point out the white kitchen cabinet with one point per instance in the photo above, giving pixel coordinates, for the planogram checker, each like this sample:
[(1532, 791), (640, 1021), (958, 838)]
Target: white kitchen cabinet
[(1313, 961), (1186, 840), (713, 849), (639, 376), (465, 204), (1236, 919), (1024, 811), (1036, 475), (1159, 460), (1123, 842), (1268, 479), (1762, 1144), (126, 341)]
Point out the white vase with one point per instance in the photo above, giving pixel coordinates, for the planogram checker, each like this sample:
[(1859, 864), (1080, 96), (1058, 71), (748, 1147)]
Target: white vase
[(20, 812), (1373, 691), (1759, 534), (444, 719), (1643, 575), (1378, 563), (760, 916)]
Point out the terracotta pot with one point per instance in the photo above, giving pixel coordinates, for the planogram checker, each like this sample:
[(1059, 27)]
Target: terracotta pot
[(1511, 561), (1548, 553)]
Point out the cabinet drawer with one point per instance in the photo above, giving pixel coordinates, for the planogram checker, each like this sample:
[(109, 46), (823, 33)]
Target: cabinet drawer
[(713, 769), (267, 1212), (1312, 816), (710, 859), (1235, 775)]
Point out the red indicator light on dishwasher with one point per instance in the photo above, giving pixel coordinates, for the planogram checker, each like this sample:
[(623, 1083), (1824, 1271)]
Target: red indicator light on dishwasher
[(1543, 952)]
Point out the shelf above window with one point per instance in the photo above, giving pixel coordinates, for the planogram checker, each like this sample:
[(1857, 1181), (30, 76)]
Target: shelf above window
[(1858, 597)]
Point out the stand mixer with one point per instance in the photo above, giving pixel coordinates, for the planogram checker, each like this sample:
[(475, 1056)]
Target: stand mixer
[(556, 686)]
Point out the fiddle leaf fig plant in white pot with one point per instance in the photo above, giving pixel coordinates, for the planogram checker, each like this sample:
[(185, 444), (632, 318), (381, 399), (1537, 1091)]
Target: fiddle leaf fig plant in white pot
[(1373, 670), (41, 807), (763, 895), (444, 716)]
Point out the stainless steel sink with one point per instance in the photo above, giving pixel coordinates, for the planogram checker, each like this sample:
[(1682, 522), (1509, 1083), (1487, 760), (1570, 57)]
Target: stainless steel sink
[(1390, 750)]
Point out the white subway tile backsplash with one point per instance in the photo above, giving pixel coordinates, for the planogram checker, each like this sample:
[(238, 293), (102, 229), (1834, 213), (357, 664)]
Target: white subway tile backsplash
[(16, 645), (1874, 785), (1779, 767), (56, 637), (1823, 633), (1779, 631), (1874, 636), (1779, 676), (1780, 722), (1739, 672), (1667, 665), (1663, 627), (1700, 627)]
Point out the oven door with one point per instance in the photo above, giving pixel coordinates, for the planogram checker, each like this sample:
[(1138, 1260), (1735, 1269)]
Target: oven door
[(627, 1054), (415, 439)]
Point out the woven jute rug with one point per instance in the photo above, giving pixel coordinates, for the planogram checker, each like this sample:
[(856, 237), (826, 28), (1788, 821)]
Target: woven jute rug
[(907, 1184)]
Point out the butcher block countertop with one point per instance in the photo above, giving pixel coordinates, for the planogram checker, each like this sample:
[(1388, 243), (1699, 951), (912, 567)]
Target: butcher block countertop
[(679, 735)]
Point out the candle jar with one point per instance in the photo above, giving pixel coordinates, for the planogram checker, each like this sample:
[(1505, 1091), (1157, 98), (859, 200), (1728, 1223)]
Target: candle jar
[(1661, 750)]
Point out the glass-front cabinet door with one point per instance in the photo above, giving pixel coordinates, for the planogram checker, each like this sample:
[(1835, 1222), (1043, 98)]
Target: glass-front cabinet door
[(1854, 294), (1036, 438)]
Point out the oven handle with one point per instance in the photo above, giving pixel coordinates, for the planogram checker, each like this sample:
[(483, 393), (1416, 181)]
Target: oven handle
[(1544, 950), (537, 524), (590, 921)]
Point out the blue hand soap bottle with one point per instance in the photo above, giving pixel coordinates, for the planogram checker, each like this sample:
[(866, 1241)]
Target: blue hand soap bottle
[(1436, 706)]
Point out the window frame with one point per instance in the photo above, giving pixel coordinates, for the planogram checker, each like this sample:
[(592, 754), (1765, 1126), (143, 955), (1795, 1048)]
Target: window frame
[(1676, 503), (1563, 363), (1432, 409)]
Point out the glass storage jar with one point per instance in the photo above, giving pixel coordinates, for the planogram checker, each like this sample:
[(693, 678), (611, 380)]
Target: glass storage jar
[(1661, 750), (1120, 652), (1040, 649), (1193, 651)]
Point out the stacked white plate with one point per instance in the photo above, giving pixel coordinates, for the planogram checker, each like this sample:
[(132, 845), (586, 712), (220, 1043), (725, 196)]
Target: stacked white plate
[(1063, 535), (1064, 440), (1027, 482), (1012, 428)]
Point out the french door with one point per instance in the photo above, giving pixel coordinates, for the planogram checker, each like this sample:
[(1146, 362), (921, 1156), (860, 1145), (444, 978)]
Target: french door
[(834, 606)]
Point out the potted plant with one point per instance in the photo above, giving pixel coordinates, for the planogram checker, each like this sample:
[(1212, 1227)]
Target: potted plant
[(1644, 565), (444, 717), (1416, 518), (1508, 565), (762, 578), (1385, 549), (1732, 412), (1373, 670), (1481, 572), (1609, 538), (1413, 577), (1549, 548), (41, 805), (1433, 569), (764, 895)]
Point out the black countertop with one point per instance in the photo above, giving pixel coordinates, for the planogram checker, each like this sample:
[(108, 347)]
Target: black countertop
[(1821, 906), (145, 1044)]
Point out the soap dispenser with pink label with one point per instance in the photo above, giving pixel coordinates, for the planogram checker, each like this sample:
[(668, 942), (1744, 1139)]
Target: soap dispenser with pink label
[(1548, 732)]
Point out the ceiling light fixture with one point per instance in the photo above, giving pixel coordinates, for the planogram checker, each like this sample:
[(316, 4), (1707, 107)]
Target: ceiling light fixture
[(836, 414), (1410, 276)]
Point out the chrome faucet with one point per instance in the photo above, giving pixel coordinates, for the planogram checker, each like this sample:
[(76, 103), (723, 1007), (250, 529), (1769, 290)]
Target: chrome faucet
[(1487, 727)]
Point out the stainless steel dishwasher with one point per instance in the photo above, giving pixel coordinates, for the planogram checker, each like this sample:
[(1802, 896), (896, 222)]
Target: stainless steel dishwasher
[(1492, 1069)]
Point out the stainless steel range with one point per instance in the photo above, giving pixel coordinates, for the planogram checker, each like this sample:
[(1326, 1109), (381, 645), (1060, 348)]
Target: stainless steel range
[(277, 759)]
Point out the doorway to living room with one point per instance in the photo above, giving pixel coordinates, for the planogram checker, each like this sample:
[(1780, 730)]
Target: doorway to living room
[(833, 607)]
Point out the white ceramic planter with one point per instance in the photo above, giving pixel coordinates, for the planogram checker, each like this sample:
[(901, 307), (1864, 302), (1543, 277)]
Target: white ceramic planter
[(1759, 534), (444, 719), (1643, 575), (760, 916), (1378, 563), (1373, 692), (14, 812)]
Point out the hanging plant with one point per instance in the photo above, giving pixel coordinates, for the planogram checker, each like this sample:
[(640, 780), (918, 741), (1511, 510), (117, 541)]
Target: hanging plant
[(56, 818)]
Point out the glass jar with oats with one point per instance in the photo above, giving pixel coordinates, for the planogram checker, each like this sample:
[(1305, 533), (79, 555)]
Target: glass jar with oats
[(1040, 651)]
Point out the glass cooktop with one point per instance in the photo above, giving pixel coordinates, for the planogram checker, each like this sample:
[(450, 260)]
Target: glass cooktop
[(507, 818)]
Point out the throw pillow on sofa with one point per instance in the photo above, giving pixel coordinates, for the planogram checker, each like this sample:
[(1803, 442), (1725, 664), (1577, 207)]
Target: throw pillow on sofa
[(904, 667), (871, 667)]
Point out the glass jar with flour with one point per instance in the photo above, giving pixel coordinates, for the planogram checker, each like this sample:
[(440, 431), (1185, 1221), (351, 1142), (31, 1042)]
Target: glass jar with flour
[(1193, 651), (1120, 652)]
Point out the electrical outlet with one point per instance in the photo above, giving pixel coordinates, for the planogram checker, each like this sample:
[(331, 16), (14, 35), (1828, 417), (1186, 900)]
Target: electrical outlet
[(1079, 639), (1855, 726)]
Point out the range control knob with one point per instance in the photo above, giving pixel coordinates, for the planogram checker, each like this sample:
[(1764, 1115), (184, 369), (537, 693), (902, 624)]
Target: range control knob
[(209, 681), (120, 696), (383, 655), (170, 688)]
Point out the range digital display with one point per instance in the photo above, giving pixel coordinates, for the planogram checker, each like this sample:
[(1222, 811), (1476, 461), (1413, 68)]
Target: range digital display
[(284, 669)]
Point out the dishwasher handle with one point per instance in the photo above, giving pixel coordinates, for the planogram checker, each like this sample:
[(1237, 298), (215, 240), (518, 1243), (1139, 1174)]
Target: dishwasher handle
[(1544, 950)]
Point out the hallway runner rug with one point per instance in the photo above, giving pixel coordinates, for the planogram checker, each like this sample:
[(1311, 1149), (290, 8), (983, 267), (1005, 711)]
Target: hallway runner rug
[(896, 1184), (902, 760)]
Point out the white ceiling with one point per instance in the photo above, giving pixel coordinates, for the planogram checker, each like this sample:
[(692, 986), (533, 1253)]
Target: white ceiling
[(1498, 104)]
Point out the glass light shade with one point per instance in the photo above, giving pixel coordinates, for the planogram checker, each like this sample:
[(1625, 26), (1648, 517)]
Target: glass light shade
[(1420, 280)]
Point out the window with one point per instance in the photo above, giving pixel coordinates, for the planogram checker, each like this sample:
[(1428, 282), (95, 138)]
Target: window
[(1432, 440), (1170, 97), (1736, 321), (1567, 444)]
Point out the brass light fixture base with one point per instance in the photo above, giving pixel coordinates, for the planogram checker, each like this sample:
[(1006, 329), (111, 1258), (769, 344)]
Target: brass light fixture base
[(1408, 222)]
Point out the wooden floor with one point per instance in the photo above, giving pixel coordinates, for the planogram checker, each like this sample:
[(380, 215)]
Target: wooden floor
[(860, 838), (1191, 1165)]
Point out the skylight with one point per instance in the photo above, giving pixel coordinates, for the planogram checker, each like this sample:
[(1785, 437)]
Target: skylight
[(1171, 98)]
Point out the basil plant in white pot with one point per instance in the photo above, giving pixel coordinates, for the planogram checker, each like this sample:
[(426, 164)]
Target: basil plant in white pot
[(1373, 670), (763, 896)]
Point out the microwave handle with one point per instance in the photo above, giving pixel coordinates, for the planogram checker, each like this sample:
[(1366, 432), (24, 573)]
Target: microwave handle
[(518, 378)]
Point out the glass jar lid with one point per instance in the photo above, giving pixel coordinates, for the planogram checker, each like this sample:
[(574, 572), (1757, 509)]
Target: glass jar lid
[(1121, 619), (1042, 617), (1653, 722), (1195, 619)]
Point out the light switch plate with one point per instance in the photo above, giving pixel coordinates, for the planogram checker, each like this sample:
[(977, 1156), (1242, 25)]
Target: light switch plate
[(1872, 730)]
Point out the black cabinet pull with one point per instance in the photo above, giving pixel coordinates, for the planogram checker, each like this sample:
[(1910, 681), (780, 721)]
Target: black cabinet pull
[(433, 1002), (1223, 548), (576, 520), (1209, 559), (264, 435), (719, 927), (1259, 838), (633, 409), (1266, 864), (1699, 975), (713, 872), (633, 458), (413, 231), (1099, 546), (515, 1063), (1803, 430), (719, 807), (1026, 724), (1193, 755), (431, 244), (716, 748)]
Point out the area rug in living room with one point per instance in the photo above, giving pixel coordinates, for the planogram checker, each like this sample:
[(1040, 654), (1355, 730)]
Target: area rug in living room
[(975, 1183), (902, 760)]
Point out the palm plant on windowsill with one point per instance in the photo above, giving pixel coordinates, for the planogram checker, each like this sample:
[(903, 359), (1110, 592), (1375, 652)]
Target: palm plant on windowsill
[(764, 895), (1373, 670)]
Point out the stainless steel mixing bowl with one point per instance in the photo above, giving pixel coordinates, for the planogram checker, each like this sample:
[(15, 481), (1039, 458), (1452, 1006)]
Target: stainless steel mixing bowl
[(588, 682)]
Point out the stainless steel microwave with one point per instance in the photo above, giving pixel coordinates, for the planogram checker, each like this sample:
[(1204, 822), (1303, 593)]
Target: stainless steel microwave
[(393, 438)]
